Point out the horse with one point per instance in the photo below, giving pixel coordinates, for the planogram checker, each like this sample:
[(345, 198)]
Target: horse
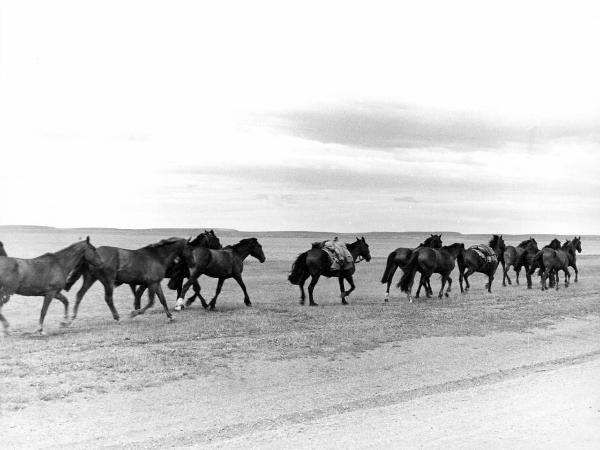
[(222, 264), (577, 243), (179, 271), (44, 276), (145, 267), (473, 262), (4, 297), (554, 260), (553, 245), (316, 262), (513, 256), (429, 261), (399, 258)]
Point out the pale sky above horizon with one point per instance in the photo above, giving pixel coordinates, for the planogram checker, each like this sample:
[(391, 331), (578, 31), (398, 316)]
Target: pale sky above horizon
[(344, 116)]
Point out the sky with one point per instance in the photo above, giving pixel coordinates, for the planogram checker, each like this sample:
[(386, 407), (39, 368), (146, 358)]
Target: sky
[(478, 117)]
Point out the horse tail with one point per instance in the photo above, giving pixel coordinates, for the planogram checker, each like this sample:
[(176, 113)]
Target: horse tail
[(537, 262), (409, 272), (298, 269), (388, 267), (75, 274)]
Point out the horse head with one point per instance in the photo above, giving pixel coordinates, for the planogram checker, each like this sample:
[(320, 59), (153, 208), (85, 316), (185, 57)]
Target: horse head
[(433, 241), (363, 249), (554, 244), (90, 255), (576, 243), (256, 250)]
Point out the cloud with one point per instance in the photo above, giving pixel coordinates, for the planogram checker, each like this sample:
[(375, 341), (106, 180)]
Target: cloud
[(391, 126), (406, 199)]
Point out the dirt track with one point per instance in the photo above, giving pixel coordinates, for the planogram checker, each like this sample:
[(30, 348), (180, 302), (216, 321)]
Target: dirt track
[(504, 389)]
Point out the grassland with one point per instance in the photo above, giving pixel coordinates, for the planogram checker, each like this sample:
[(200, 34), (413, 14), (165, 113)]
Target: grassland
[(96, 358)]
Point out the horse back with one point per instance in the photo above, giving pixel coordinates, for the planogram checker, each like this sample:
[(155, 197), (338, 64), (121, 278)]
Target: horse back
[(401, 256), (34, 276)]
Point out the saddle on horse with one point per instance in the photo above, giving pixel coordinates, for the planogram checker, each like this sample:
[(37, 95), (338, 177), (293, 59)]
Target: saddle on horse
[(485, 252), (339, 255)]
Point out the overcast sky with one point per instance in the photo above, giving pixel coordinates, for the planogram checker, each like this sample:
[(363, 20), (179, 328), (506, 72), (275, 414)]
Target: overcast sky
[(320, 116)]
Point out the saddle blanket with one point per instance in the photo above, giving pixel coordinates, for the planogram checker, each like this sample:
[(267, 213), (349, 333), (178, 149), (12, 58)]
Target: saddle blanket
[(486, 253), (339, 255)]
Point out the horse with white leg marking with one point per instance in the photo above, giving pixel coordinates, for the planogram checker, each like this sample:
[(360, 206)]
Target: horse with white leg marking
[(222, 264)]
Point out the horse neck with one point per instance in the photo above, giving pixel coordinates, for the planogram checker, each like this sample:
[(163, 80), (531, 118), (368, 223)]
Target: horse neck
[(241, 250), (354, 249), (167, 253), (69, 257)]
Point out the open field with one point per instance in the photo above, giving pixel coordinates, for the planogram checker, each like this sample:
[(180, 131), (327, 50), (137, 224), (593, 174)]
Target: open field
[(279, 374)]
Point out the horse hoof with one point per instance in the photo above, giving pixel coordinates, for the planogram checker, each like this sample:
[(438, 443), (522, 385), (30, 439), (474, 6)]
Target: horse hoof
[(39, 332), (248, 303), (178, 307), (344, 302), (314, 304), (302, 302), (65, 323), (170, 319), (117, 318), (133, 313), (447, 295)]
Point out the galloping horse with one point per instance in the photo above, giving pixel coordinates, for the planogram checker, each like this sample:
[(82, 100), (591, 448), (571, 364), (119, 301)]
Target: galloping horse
[(179, 271), (513, 256), (429, 261), (222, 264), (316, 262), (399, 258), (475, 263), (145, 267), (554, 260), (44, 276)]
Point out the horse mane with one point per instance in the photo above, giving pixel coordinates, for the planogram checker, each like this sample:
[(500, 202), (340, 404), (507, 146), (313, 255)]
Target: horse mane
[(163, 242), (198, 239), (525, 243), (554, 242), (242, 242), (494, 240)]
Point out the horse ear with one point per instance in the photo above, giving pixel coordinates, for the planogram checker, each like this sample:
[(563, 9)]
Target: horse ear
[(87, 239), (363, 238)]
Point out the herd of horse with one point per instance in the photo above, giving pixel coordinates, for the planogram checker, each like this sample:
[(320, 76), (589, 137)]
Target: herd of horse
[(183, 261)]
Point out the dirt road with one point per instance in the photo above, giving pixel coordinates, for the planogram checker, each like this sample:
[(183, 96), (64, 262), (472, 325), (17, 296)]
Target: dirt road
[(537, 388)]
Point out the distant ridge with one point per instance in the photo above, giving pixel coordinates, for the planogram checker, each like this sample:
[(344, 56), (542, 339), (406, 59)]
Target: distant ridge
[(186, 231)]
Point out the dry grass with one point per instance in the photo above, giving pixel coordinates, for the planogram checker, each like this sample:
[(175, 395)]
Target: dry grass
[(96, 355)]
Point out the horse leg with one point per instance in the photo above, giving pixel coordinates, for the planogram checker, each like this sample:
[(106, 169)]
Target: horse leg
[(161, 297), (213, 302), (489, 285), (505, 274), (421, 284), (470, 271), (88, 280), (5, 323), (150, 304), (65, 322), (567, 277), (137, 295), (301, 285), (449, 287), (389, 283), (440, 295), (576, 272), (517, 272), (180, 303), (342, 291), (239, 280), (108, 298), (47, 299), (544, 276), (197, 294), (313, 281), (350, 281)]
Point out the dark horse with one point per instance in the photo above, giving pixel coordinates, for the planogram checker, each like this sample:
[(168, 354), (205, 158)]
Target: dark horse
[(475, 263), (553, 245), (144, 267), (316, 262), (429, 261), (514, 256), (44, 276), (399, 258), (4, 297), (554, 260), (179, 271), (222, 264)]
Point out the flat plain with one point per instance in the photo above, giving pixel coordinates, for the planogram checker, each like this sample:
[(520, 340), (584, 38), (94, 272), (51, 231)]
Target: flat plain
[(516, 366)]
